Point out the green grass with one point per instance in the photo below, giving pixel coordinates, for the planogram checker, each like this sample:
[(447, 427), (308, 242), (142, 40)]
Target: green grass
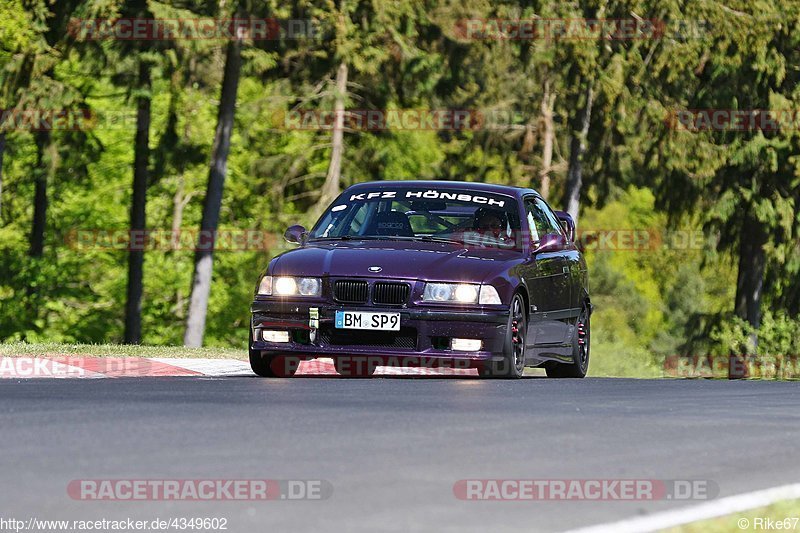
[(777, 512), (620, 360), (17, 349)]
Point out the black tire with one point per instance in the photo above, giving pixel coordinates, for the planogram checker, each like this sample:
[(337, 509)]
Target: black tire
[(355, 367), (513, 364), (271, 366), (580, 351)]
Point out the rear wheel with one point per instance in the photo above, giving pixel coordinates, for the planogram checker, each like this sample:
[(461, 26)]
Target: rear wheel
[(270, 365), (580, 351), (513, 363)]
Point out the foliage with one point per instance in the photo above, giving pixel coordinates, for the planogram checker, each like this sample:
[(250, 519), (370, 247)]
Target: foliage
[(640, 173)]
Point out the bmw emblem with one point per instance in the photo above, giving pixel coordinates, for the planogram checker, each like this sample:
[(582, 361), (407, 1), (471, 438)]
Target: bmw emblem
[(375, 269)]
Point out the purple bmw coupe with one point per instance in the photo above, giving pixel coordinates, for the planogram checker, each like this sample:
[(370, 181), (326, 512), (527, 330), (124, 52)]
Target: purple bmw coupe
[(427, 273)]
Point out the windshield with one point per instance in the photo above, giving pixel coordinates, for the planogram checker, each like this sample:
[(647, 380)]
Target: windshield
[(458, 215)]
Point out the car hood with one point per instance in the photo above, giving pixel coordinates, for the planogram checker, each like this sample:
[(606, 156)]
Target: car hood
[(396, 259)]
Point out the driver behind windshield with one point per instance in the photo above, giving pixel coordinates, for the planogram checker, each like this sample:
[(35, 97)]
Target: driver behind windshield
[(489, 222), (490, 226)]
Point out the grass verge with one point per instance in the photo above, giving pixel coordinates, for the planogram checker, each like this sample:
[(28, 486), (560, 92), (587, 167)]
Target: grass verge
[(787, 513), (23, 349)]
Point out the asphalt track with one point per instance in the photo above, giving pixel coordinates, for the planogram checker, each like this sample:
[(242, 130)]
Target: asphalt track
[(392, 448)]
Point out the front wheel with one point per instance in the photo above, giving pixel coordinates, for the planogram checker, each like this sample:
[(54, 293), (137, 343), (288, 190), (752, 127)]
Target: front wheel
[(513, 363), (580, 351)]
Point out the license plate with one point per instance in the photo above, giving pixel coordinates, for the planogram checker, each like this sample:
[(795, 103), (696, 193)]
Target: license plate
[(368, 320)]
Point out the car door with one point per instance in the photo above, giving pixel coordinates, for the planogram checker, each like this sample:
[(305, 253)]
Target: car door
[(577, 269), (547, 275)]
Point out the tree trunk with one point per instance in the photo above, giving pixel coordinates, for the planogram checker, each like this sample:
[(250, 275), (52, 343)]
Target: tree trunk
[(750, 278), (141, 159), (179, 203), (2, 152), (548, 101), (572, 192), (201, 282), (43, 162), (330, 189)]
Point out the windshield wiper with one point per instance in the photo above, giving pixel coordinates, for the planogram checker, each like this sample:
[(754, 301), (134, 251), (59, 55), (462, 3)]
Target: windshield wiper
[(361, 238), (432, 238), (424, 238), (339, 238)]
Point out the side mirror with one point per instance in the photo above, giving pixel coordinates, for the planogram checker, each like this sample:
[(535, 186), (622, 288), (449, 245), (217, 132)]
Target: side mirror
[(550, 243), (567, 223), (296, 234)]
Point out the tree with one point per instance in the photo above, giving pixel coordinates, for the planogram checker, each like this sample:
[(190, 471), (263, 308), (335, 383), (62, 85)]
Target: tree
[(138, 222), (2, 153), (15, 33), (548, 139), (39, 59), (330, 189), (204, 257), (44, 162), (743, 181), (577, 150), (355, 49)]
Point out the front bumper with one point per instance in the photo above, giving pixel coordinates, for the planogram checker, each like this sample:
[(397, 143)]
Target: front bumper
[(425, 332)]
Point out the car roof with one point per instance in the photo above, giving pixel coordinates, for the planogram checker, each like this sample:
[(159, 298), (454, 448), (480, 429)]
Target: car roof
[(442, 184)]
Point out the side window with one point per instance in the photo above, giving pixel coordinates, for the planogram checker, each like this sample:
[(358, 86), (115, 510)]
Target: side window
[(552, 220), (538, 224)]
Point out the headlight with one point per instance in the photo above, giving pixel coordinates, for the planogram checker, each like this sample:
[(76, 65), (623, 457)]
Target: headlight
[(285, 286), (463, 293), (451, 292), (466, 293), (289, 286), (309, 286)]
